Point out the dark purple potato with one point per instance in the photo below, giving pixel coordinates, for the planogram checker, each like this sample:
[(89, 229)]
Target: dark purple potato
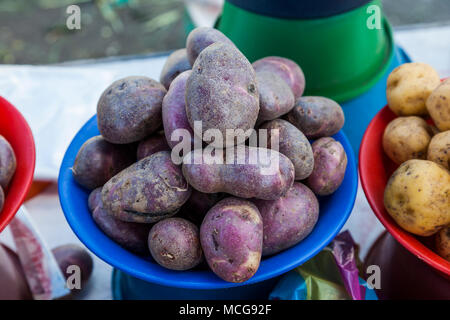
[(151, 145), (175, 244), (130, 109), (149, 190), (200, 38), (13, 282), (317, 117), (71, 254), (275, 96), (198, 205), (289, 219), (175, 64), (174, 110), (98, 161), (7, 162), (287, 69), (222, 92), (95, 199), (130, 235)]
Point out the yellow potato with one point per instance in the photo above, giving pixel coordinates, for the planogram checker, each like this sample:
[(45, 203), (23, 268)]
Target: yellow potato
[(439, 149), (443, 243), (417, 197), (407, 138), (438, 105), (408, 87)]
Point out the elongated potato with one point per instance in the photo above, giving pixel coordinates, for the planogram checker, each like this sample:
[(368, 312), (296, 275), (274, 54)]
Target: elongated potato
[(130, 109), (147, 191), (438, 105), (176, 63), (288, 220), (417, 197), (443, 243), (221, 92), (294, 145), (232, 236), (406, 138), (317, 117), (7, 162), (439, 149), (253, 173), (408, 88)]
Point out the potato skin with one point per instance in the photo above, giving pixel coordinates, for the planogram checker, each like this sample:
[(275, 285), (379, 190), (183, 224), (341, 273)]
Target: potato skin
[(72, 254), (417, 197), (130, 109), (317, 117), (232, 236), (176, 63), (98, 161), (174, 109), (294, 145), (222, 92), (439, 149), (438, 105), (175, 244), (241, 177), (95, 199), (275, 96), (2, 199), (151, 145), (288, 220), (198, 205), (443, 243), (200, 38), (408, 88), (7, 162), (287, 69), (406, 138), (330, 163), (147, 191)]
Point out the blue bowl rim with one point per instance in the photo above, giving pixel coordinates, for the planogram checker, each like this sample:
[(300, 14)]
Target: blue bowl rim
[(278, 262)]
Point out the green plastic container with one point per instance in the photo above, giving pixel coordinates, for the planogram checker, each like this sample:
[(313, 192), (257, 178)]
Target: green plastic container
[(340, 55)]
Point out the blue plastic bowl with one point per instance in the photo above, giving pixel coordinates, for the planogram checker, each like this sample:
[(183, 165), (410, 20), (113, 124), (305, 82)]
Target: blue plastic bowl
[(334, 211)]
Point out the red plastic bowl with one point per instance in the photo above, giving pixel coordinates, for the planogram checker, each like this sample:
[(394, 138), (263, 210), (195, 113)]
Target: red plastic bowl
[(375, 168), (16, 130)]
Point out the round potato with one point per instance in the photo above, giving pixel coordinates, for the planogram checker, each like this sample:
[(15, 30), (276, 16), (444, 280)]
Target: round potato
[(417, 197), (438, 105), (408, 88), (130, 109), (443, 243), (406, 138), (175, 64), (71, 254), (151, 145), (175, 244), (7, 162), (439, 149)]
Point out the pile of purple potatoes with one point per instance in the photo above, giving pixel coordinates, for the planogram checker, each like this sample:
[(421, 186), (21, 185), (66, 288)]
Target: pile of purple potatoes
[(8, 166), (229, 215)]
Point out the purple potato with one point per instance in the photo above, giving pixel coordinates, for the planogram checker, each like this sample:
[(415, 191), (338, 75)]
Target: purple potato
[(287, 69), (221, 92), (174, 110), (247, 175), (275, 96), (200, 38), (13, 282), (7, 162), (130, 109), (198, 205), (98, 161), (317, 117), (2, 199), (130, 235), (148, 191), (294, 145), (74, 255), (174, 243), (95, 199), (232, 236), (288, 220), (175, 64), (151, 145), (330, 163)]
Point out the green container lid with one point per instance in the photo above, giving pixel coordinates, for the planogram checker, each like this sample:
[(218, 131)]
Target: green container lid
[(340, 55)]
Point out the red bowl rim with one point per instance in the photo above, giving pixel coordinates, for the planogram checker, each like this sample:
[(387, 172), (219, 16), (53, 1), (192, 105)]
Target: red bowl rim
[(26, 176), (405, 238)]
